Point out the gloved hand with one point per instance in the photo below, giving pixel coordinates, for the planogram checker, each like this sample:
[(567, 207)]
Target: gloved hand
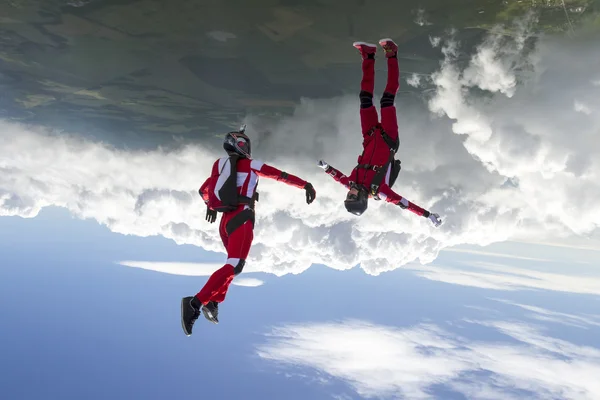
[(435, 219), (311, 194), (323, 164), (211, 215)]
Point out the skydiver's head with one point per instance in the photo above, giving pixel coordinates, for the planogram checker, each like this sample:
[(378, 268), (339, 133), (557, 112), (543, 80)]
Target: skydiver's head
[(237, 142), (357, 200)]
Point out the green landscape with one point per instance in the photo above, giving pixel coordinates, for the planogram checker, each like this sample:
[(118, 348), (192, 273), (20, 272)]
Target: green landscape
[(129, 69)]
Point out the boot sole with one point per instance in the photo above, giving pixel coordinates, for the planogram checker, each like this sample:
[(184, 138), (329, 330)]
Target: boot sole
[(182, 322), (208, 314), (355, 44), (382, 43)]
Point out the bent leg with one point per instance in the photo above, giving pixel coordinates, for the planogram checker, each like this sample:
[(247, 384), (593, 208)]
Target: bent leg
[(217, 280), (238, 248), (223, 230)]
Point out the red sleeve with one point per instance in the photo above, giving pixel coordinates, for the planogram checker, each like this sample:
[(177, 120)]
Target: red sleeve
[(387, 194), (270, 172), (338, 176)]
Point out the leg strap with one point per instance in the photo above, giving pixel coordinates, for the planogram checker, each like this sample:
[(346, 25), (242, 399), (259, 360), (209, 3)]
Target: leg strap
[(239, 267), (239, 220), (366, 99), (387, 100)]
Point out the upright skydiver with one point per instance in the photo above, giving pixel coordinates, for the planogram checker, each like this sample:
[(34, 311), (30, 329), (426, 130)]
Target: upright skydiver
[(231, 189), (377, 169)]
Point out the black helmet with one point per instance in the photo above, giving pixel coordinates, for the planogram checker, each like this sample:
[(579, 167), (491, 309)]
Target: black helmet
[(357, 203), (238, 142)]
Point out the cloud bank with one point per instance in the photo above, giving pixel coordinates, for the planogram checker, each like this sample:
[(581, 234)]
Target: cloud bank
[(191, 269), (502, 277), (389, 362), (503, 147)]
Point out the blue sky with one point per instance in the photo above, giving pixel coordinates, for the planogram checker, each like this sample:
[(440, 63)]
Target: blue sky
[(82, 325)]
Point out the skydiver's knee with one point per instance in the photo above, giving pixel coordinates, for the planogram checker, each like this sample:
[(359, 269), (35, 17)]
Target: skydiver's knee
[(387, 100), (366, 99), (239, 267)]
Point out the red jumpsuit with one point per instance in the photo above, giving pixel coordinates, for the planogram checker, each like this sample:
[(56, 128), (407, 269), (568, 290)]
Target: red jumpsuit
[(238, 242), (375, 150)]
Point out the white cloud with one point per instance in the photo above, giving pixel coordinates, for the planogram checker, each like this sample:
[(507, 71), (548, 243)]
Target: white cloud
[(582, 108), (499, 255), (421, 18), (248, 282), (191, 269), (174, 268), (435, 41), (501, 277), (414, 80), (382, 361), (522, 165), (543, 314)]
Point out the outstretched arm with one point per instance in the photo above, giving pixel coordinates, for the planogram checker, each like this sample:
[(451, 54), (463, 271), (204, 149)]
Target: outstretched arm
[(270, 172), (336, 174), (387, 194)]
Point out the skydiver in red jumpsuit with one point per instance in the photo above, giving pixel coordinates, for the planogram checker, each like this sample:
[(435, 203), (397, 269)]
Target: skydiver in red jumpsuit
[(376, 170), (237, 226)]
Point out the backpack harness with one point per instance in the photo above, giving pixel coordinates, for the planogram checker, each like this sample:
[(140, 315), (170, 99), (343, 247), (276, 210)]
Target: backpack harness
[(382, 169), (230, 199)]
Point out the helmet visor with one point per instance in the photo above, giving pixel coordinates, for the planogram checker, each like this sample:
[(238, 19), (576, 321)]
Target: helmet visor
[(241, 143)]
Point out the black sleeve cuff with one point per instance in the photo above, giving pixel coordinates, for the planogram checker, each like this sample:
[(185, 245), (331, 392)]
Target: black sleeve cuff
[(426, 214)]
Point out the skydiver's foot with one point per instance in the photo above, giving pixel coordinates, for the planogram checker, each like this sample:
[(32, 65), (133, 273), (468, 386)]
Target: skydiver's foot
[(190, 311), (389, 47), (211, 311), (367, 50)]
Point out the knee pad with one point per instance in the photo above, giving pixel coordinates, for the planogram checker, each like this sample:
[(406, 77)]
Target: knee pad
[(239, 267), (387, 100), (366, 99)]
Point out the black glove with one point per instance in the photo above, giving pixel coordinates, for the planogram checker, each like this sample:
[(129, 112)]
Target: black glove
[(211, 215), (310, 193)]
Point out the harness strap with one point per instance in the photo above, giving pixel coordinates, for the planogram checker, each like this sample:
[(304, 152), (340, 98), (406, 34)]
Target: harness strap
[(392, 144), (248, 200), (368, 166), (239, 220), (380, 175)]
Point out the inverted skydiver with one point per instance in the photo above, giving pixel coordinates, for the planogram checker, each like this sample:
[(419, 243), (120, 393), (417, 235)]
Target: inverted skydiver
[(377, 169), (231, 189)]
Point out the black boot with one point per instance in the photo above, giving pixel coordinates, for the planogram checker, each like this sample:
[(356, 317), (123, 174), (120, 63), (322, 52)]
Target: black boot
[(211, 311), (190, 311)]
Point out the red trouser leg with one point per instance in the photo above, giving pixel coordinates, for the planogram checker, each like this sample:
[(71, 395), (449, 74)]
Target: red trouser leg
[(393, 78), (368, 115), (367, 84), (238, 245), (368, 119), (389, 121)]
